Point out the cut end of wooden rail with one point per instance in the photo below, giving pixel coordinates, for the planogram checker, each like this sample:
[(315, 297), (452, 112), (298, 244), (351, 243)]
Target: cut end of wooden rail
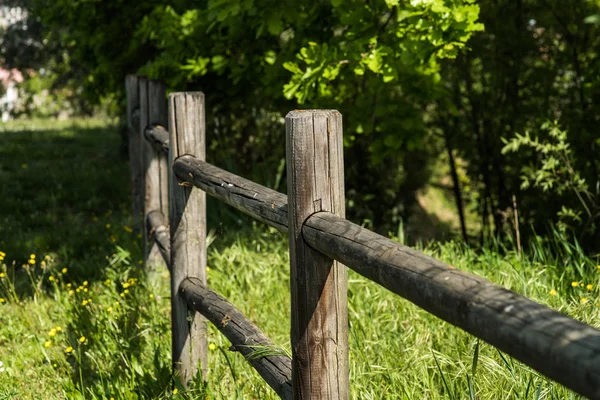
[(158, 136), (270, 362)]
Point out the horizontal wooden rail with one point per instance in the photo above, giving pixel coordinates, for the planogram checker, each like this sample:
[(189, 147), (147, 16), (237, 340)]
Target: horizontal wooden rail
[(158, 136), (556, 345), (258, 201), (270, 362), (159, 231)]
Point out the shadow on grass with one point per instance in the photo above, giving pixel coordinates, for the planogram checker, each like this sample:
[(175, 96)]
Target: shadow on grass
[(64, 192)]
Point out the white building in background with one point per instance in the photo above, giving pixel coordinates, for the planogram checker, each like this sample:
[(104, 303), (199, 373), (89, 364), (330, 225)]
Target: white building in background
[(9, 79)]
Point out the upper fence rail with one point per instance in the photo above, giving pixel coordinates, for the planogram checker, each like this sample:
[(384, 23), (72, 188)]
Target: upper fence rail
[(554, 344)]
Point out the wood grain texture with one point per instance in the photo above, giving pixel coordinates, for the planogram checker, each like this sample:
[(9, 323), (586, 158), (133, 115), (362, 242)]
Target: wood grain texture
[(159, 117), (559, 347), (269, 361), (258, 201), (319, 332), (135, 158), (154, 164), (188, 234), (159, 231)]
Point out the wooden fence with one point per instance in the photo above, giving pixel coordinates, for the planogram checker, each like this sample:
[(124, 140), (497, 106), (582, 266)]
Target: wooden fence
[(167, 167)]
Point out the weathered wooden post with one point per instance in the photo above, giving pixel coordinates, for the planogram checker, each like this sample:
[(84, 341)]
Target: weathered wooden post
[(153, 110), (315, 176), (135, 159), (188, 234)]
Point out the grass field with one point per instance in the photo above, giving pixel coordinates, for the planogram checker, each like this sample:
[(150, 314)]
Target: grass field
[(80, 319)]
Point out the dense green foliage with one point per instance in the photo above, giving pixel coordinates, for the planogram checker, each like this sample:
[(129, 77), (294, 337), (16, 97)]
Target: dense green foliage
[(413, 79), (79, 319)]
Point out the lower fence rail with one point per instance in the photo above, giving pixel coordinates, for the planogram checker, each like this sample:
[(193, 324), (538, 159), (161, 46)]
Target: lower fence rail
[(268, 360), (271, 362)]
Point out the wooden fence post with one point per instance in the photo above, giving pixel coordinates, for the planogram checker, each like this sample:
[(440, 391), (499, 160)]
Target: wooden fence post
[(315, 176), (153, 110), (188, 234), (135, 159)]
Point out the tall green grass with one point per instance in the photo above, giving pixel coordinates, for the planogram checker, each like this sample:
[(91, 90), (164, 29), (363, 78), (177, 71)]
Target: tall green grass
[(82, 320)]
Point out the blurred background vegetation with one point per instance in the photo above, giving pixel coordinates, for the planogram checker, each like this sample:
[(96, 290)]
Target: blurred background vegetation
[(484, 110)]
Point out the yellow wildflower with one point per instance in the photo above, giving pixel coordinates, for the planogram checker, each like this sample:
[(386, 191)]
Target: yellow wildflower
[(47, 257), (107, 282), (68, 285), (589, 286), (85, 283), (84, 303), (109, 309), (107, 226), (43, 263), (151, 295), (47, 343), (581, 284), (126, 285), (52, 332), (2, 300), (51, 278), (69, 349), (64, 271), (553, 292), (70, 292), (32, 256), (1, 274), (82, 339), (574, 284), (175, 391), (212, 346), (3, 254), (126, 291), (58, 329), (85, 290), (31, 261), (583, 300)]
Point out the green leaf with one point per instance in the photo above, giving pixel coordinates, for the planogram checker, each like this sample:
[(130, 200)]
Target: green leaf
[(592, 19)]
